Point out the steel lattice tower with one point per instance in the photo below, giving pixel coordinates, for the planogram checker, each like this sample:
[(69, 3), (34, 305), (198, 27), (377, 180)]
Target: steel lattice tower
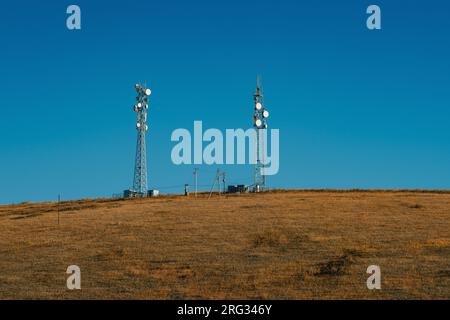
[(140, 165), (260, 124)]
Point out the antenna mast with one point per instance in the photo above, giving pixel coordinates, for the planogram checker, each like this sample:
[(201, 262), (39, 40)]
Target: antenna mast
[(260, 124), (140, 166)]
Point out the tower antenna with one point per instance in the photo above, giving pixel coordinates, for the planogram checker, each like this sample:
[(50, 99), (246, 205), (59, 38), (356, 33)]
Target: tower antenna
[(140, 165), (260, 124)]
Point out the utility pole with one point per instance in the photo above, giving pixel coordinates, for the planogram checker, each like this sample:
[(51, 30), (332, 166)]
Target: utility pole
[(216, 179), (224, 182), (195, 180), (59, 199)]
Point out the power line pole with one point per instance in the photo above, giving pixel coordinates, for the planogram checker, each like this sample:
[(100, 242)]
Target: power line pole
[(59, 199), (195, 180), (224, 181), (216, 179)]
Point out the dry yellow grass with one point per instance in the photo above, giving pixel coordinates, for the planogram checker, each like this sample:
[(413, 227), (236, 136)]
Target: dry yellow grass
[(277, 245)]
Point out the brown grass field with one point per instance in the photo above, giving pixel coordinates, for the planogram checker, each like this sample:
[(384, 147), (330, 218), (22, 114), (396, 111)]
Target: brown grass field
[(274, 245)]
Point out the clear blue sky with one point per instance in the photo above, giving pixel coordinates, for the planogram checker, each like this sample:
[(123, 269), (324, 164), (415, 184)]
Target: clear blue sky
[(355, 108)]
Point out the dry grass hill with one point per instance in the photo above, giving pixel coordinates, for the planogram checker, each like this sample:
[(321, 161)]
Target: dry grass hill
[(276, 245)]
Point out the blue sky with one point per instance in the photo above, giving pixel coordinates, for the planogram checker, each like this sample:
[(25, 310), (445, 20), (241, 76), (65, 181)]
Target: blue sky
[(355, 108)]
